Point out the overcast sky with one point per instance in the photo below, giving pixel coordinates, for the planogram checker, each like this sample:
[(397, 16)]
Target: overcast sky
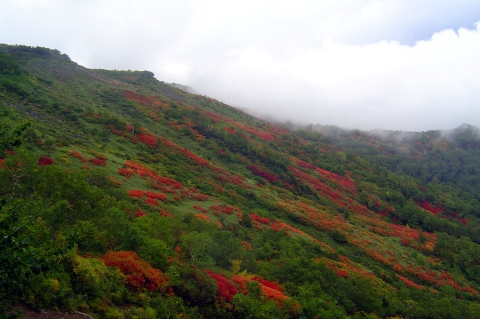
[(392, 64)]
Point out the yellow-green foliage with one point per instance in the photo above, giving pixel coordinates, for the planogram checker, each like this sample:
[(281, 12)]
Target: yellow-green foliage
[(113, 313), (64, 158), (97, 279), (43, 291), (90, 271), (140, 313)]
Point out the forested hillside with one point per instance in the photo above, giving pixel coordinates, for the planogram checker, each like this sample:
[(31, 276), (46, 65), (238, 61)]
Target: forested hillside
[(124, 197)]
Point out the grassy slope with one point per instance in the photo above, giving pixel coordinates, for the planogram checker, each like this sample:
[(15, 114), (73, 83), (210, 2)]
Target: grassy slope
[(307, 196)]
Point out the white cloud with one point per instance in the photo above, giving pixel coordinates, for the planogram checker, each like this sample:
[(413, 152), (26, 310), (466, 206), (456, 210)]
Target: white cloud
[(432, 84), (394, 64)]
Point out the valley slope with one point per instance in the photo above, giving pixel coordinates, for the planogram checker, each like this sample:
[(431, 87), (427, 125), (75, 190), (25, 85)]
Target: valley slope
[(124, 197)]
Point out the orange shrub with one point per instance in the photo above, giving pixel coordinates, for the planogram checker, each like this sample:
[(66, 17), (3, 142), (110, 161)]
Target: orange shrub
[(136, 193), (202, 216), (139, 273), (154, 195), (76, 154)]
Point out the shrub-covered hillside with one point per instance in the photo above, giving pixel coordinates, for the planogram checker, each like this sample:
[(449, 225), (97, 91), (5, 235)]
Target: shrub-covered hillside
[(124, 197)]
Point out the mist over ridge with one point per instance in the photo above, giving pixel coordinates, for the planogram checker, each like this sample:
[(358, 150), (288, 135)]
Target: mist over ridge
[(396, 65)]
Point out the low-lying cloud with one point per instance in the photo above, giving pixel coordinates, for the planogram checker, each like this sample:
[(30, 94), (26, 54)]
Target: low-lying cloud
[(391, 64), (432, 84)]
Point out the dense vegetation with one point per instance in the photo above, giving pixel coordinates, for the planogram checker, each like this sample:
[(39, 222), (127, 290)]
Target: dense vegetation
[(123, 197)]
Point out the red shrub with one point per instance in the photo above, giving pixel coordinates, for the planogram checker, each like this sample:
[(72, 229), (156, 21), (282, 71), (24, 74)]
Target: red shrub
[(200, 197), (203, 210), (410, 283), (147, 139), (259, 219), (269, 177), (266, 283), (154, 195), (136, 193), (45, 161), (429, 207), (151, 201), (76, 154), (98, 160), (164, 213), (127, 172), (115, 131), (140, 214), (194, 157), (139, 273), (226, 290), (405, 241), (1, 162)]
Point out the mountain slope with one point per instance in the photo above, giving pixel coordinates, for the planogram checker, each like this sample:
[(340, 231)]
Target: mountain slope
[(132, 198)]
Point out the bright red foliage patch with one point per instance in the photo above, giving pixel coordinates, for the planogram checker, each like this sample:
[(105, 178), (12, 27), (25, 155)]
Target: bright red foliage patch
[(225, 209), (277, 226), (140, 214), (145, 172), (45, 161), (260, 220), (429, 207), (154, 195), (151, 201), (127, 172), (98, 160), (226, 290), (136, 193), (147, 139), (269, 289), (269, 177), (341, 195), (266, 283), (410, 283), (194, 157), (438, 210), (139, 273)]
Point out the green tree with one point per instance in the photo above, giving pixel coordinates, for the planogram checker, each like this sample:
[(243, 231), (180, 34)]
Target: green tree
[(10, 138)]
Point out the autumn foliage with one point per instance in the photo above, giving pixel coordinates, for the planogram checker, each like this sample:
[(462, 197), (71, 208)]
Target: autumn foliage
[(76, 154), (98, 160), (269, 177), (226, 290), (410, 283), (136, 193), (268, 288), (147, 139), (140, 214), (45, 161), (139, 274)]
